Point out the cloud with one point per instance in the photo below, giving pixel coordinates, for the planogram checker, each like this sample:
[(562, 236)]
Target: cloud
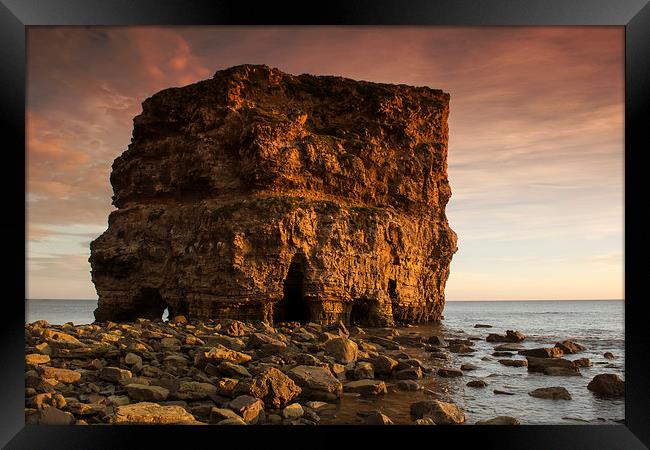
[(536, 125), (612, 258)]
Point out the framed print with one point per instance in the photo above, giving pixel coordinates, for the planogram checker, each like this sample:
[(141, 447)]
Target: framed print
[(247, 218)]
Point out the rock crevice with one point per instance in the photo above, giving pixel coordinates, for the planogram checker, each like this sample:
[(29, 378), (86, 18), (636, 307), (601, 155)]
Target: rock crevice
[(257, 195)]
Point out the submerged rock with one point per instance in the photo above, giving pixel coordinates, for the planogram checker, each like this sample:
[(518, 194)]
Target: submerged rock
[(607, 385), (500, 420), (569, 347), (514, 362), (553, 393), (510, 336), (548, 352), (449, 373), (542, 364)]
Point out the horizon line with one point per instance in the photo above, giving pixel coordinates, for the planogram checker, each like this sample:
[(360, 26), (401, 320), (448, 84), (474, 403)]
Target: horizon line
[(455, 300)]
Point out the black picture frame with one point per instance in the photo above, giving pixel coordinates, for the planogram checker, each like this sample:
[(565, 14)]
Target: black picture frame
[(16, 15)]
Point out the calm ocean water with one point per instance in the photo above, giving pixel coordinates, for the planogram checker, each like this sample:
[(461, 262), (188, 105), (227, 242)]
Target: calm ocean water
[(597, 324)]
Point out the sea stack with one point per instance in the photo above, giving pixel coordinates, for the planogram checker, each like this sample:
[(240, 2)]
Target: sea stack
[(259, 195)]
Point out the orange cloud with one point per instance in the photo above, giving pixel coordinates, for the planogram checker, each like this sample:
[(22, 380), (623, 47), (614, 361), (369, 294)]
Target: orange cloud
[(536, 121)]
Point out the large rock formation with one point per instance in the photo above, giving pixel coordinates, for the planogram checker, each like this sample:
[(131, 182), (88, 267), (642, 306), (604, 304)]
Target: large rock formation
[(262, 195)]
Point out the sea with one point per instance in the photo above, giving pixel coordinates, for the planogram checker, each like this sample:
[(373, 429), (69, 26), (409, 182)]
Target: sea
[(597, 324)]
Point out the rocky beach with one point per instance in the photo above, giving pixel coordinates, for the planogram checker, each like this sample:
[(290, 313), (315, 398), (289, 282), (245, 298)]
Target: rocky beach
[(230, 372)]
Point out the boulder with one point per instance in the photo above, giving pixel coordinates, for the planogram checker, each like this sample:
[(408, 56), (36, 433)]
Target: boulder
[(468, 367), (509, 347), (226, 386), (316, 383), (437, 341), (62, 375), (219, 414), (499, 420), (49, 415), (257, 340), (386, 343), (541, 364), (553, 393), (481, 325), (411, 373), (250, 409), (442, 413), (609, 355), (194, 390), (343, 350), (36, 358), (460, 348), (582, 362), (143, 393), (510, 336), (233, 343), (363, 370), (569, 347), (424, 421), (60, 340), (228, 369), (220, 353), (450, 373), (232, 421), (562, 372), (293, 411), (514, 362), (132, 359), (408, 385), (115, 374), (377, 418), (409, 340), (477, 383), (367, 387), (607, 385), (547, 352), (146, 413), (274, 387)]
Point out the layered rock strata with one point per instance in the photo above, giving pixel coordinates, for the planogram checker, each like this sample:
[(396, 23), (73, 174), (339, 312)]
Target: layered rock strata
[(259, 195)]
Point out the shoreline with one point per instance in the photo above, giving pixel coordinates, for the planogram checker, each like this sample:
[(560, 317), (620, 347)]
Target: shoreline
[(230, 372)]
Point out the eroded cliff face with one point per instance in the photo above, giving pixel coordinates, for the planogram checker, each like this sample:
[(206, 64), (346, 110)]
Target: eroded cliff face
[(262, 195)]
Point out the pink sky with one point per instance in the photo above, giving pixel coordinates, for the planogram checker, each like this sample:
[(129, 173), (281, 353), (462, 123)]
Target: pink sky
[(535, 150)]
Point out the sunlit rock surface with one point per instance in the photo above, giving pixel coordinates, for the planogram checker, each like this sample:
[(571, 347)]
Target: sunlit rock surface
[(260, 195)]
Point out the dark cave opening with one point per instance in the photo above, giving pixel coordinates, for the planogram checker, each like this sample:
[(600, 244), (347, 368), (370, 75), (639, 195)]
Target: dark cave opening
[(360, 312), (149, 304), (392, 289), (293, 307)]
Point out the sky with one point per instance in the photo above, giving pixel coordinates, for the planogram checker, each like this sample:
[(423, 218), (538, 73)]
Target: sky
[(536, 140)]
